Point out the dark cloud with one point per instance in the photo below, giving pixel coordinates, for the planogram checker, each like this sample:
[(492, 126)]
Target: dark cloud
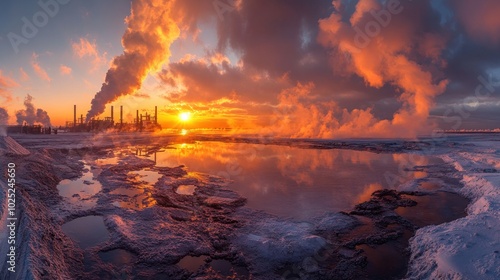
[(282, 45)]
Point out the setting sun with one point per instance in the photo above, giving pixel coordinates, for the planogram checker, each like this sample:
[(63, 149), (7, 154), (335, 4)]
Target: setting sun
[(185, 116)]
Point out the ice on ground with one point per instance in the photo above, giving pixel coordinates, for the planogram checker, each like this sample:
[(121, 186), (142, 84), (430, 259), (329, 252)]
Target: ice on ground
[(467, 248), (9, 146)]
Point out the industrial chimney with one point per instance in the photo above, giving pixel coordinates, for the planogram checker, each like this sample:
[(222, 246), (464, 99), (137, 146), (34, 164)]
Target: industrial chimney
[(137, 118), (121, 116), (74, 116), (112, 115), (156, 114)]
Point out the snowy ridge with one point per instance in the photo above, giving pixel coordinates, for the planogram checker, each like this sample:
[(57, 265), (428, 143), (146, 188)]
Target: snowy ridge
[(467, 248)]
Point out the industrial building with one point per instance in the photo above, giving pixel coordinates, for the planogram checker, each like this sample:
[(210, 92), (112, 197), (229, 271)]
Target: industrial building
[(142, 122)]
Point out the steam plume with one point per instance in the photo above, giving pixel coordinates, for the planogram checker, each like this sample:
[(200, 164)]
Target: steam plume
[(31, 115), (146, 42)]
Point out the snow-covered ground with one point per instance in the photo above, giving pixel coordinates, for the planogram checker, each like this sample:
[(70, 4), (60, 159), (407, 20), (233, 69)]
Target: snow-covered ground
[(213, 221), (467, 248)]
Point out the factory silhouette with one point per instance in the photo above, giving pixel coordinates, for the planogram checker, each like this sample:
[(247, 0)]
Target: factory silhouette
[(142, 122)]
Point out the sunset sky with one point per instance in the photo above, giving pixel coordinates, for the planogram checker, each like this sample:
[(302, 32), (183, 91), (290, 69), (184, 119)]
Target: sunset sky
[(292, 67)]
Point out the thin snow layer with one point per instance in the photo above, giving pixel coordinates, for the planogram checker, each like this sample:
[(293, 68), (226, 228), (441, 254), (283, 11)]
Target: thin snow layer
[(9, 146), (467, 248), (268, 242)]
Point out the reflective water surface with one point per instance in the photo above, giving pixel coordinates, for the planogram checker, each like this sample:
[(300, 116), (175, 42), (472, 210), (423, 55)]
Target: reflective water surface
[(86, 231), (293, 182)]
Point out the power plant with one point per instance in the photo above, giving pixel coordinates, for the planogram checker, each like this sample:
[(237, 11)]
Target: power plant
[(142, 122)]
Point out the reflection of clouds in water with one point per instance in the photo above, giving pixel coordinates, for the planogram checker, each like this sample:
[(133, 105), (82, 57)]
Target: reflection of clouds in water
[(290, 181), (367, 192)]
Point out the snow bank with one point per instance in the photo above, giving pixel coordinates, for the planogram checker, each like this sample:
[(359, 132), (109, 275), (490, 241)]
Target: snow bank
[(9, 146), (467, 248)]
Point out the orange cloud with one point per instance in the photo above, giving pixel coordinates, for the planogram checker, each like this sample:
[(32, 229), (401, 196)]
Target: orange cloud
[(24, 76), (39, 70), (381, 53), (85, 49), (6, 83), (65, 70)]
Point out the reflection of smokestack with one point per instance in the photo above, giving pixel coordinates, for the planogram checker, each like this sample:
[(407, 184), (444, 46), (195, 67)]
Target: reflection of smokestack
[(121, 115), (156, 114), (74, 115), (112, 114)]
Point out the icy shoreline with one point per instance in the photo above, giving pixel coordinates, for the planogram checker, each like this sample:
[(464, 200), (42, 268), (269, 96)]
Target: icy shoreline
[(436, 251), (467, 248)]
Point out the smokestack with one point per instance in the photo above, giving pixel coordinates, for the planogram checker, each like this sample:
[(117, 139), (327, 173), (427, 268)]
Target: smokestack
[(137, 118), (81, 118), (112, 115), (74, 115), (156, 114), (121, 115)]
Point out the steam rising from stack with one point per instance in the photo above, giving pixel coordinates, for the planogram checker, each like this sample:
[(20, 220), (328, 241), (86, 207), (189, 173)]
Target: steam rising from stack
[(30, 115), (146, 42)]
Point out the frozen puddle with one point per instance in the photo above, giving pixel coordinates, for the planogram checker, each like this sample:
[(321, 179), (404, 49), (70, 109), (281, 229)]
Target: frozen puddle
[(80, 191), (86, 231), (186, 189)]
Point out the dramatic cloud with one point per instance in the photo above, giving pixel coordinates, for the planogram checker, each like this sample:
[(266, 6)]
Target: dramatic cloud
[(365, 68), (384, 48), (31, 115), (146, 42), (42, 74), (65, 70), (214, 78)]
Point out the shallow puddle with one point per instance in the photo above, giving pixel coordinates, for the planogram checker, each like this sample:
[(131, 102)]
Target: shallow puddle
[(86, 231), (437, 208), (81, 190), (192, 264), (127, 191), (107, 161), (390, 260), (136, 202), (117, 257), (186, 189), (226, 268), (148, 176)]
